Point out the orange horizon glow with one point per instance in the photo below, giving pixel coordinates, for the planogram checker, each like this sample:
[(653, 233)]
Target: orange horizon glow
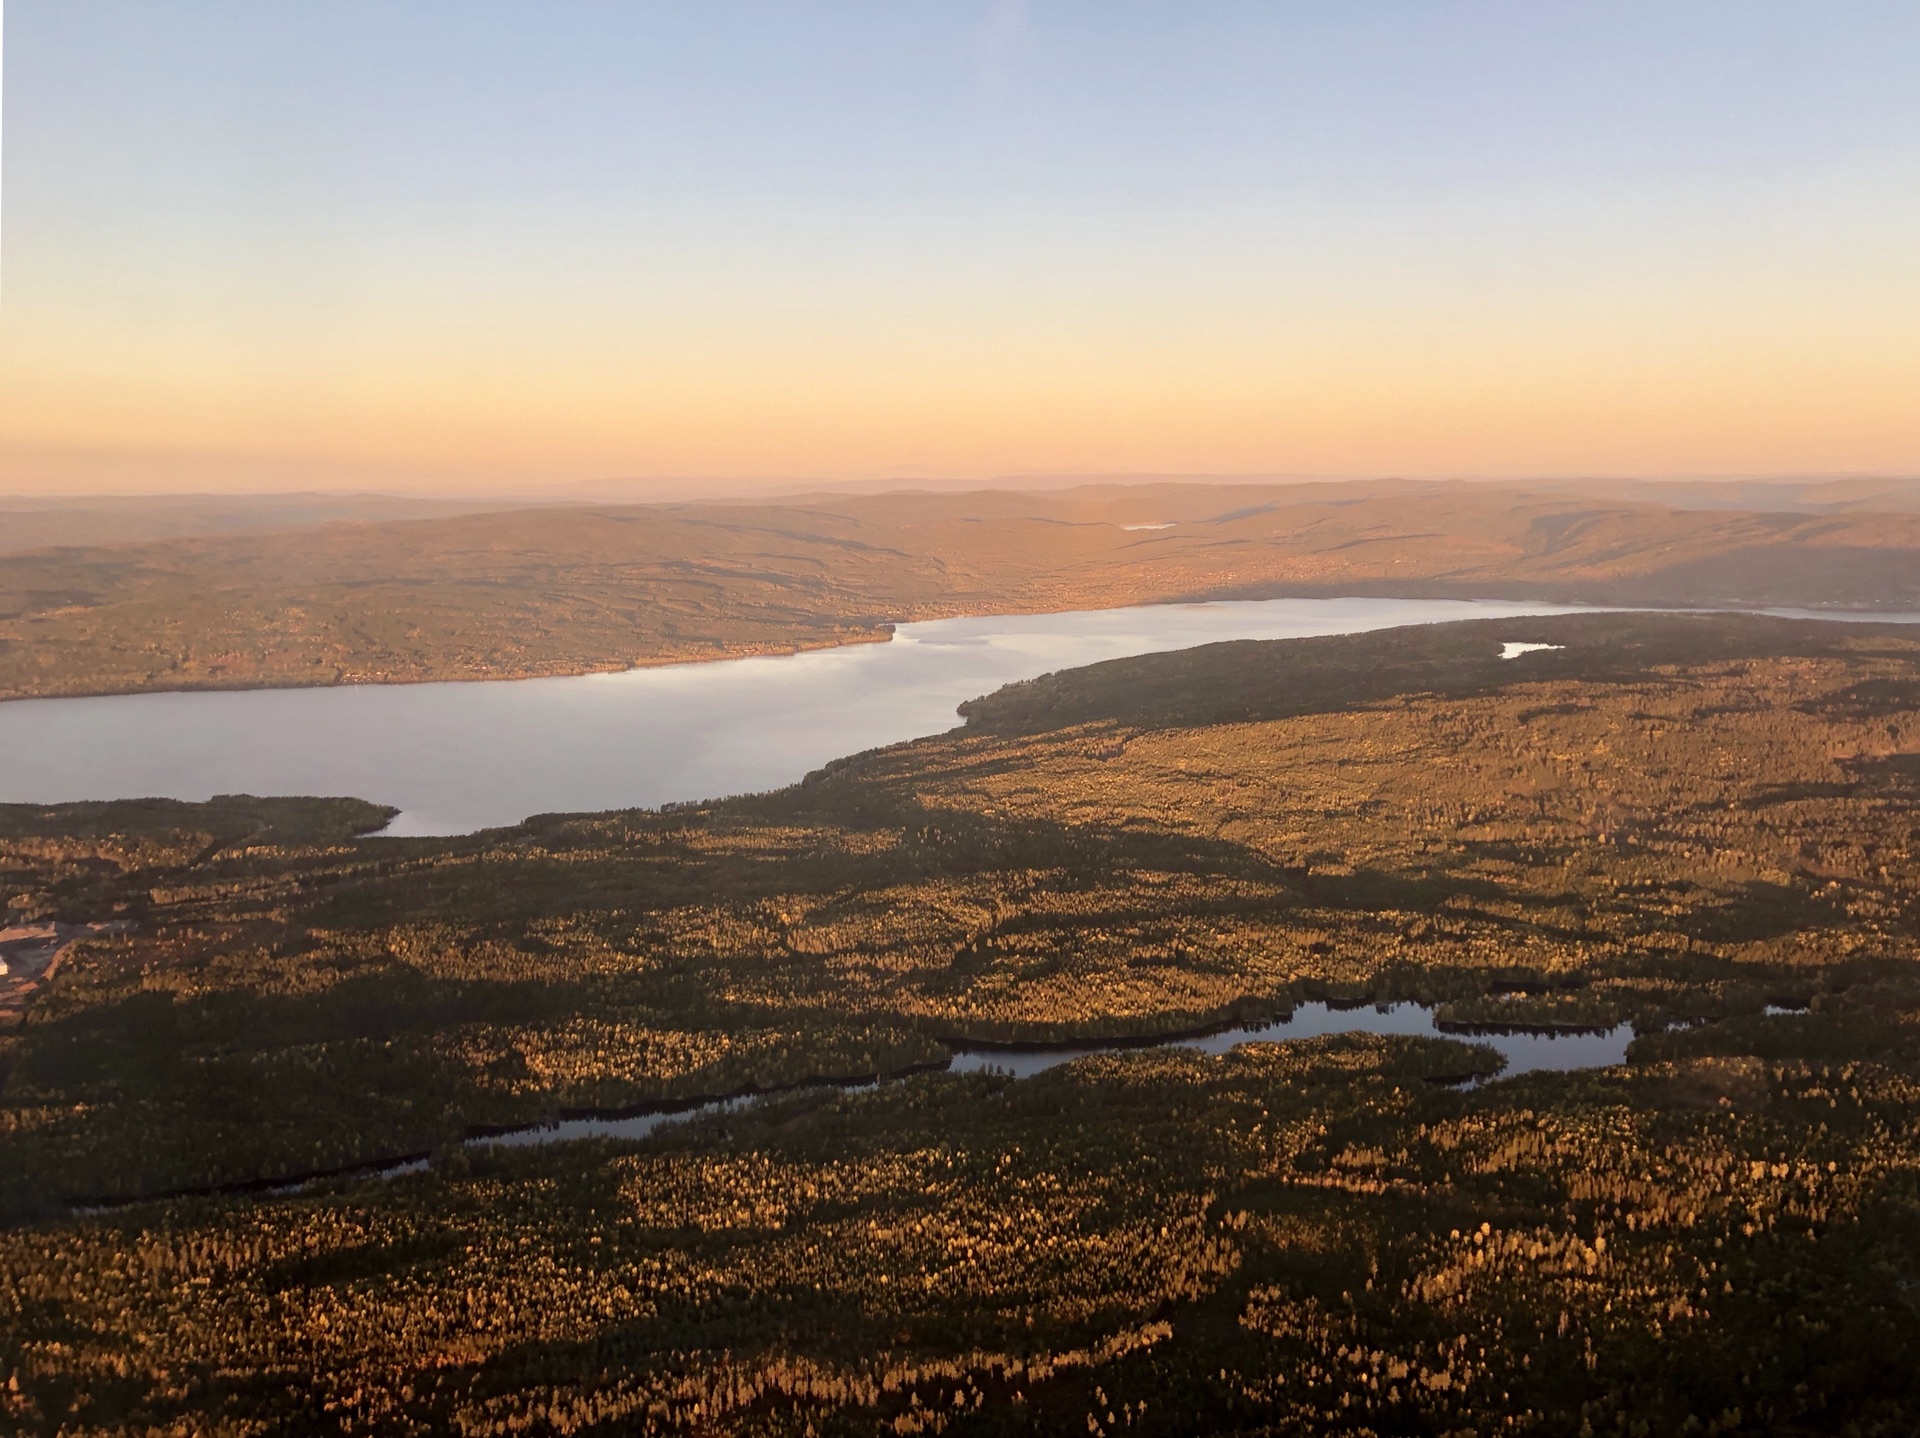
[(1044, 300)]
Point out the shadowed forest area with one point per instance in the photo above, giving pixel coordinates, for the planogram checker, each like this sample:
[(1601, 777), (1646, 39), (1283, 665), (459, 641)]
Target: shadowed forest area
[(588, 588), (1505, 1025), (1704, 825)]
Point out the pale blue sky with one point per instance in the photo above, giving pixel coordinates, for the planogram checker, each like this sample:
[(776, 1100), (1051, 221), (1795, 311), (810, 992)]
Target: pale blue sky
[(840, 238)]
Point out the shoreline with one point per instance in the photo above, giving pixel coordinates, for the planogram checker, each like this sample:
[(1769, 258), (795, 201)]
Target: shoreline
[(882, 632)]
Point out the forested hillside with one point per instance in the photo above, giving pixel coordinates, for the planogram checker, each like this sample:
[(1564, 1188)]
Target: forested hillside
[(572, 590), (1704, 825)]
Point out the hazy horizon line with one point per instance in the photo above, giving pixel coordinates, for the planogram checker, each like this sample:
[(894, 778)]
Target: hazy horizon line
[(685, 489)]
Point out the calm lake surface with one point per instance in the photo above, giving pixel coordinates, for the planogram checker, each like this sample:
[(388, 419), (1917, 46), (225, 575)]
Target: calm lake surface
[(1523, 1052), (459, 757)]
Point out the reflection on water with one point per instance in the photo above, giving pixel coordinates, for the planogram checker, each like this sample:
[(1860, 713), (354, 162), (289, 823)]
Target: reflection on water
[(633, 1126), (459, 757), (1524, 1053)]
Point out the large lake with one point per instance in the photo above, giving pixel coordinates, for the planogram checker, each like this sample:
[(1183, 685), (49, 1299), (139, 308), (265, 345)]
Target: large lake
[(459, 757)]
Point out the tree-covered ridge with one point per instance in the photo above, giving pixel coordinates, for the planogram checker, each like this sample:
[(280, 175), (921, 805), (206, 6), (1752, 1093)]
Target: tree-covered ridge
[(583, 589)]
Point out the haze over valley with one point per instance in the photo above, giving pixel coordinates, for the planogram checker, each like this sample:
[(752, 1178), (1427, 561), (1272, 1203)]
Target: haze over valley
[(522, 592), (1006, 719)]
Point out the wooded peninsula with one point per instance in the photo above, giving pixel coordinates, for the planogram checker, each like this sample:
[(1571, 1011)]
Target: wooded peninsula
[(1701, 825)]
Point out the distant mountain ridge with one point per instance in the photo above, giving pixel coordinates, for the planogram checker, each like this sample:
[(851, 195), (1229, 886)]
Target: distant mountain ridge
[(575, 589)]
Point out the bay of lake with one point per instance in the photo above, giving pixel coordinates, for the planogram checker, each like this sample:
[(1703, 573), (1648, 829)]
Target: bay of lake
[(459, 757)]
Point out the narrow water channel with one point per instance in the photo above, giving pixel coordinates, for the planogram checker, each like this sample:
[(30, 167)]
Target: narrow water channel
[(1523, 1052)]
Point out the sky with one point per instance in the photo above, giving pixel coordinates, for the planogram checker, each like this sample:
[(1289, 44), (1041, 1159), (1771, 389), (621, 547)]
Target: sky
[(518, 245)]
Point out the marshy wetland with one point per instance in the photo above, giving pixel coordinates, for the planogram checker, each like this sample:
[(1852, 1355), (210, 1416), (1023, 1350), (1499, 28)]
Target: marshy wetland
[(1700, 827)]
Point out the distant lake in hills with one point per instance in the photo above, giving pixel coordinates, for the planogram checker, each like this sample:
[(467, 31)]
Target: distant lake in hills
[(459, 757)]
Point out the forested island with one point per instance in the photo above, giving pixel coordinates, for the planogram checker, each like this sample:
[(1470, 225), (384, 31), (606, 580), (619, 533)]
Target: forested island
[(1702, 825)]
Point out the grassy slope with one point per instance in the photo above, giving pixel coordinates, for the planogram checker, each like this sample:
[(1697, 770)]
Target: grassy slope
[(574, 590)]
